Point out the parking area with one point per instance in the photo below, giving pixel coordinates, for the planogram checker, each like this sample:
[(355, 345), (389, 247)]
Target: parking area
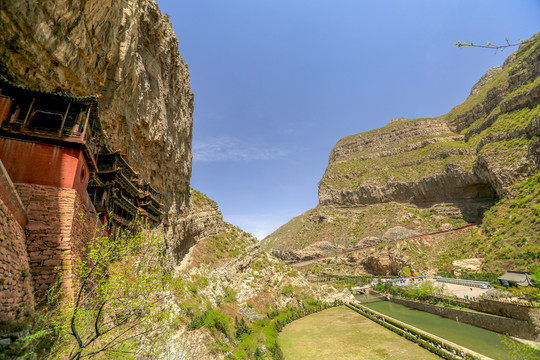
[(460, 290)]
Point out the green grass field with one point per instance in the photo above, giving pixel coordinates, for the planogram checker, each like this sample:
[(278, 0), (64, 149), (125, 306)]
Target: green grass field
[(342, 334)]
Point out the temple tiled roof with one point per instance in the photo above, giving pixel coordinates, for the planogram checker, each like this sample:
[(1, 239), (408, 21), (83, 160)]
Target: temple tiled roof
[(59, 95)]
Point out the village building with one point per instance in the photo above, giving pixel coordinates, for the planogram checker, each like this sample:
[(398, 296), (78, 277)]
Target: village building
[(516, 278)]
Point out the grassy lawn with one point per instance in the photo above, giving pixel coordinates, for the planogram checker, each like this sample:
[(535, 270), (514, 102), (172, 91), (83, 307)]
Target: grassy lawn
[(340, 333)]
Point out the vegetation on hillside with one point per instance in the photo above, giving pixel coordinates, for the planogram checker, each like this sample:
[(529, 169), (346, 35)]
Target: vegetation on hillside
[(198, 199), (216, 249), (509, 237), (405, 166), (500, 78), (128, 304), (431, 158), (244, 339), (349, 227)]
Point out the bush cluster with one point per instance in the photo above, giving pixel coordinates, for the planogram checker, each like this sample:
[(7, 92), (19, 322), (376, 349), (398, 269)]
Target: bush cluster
[(213, 318), (260, 340), (425, 293)]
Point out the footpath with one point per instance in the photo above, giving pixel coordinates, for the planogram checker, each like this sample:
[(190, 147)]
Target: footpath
[(442, 232)]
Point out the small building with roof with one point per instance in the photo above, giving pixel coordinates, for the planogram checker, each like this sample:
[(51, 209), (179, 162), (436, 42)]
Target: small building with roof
[(516, 278)]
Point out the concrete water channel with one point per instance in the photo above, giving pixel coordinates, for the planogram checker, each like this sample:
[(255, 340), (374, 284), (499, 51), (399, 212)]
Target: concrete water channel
[(483, 341)]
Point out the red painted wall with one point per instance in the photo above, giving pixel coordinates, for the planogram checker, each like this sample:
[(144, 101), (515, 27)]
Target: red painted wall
[(5, 107), (35, 163)]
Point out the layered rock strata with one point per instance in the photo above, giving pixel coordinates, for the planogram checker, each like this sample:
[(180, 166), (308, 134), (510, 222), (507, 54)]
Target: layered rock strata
[(203, 219), (445, 158)]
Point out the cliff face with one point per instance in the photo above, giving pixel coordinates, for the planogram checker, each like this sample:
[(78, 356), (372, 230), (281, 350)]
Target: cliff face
[(203, 219), (429, 174), (459, 156), (451, 158), (126, 52)]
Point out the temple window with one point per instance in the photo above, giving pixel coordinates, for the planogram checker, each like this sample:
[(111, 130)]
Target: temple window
[(46, 120)]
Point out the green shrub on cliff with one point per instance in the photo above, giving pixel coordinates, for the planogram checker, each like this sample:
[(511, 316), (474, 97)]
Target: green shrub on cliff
[(214, 319)]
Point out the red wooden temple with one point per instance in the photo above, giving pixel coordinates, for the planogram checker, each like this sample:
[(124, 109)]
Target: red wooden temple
[(56, 139)]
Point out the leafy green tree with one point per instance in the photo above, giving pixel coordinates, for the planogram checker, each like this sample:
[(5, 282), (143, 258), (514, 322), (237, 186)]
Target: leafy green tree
[(287, 290), (535, 275), (241, 328), (406, 271), (118, 302), (423, 291)]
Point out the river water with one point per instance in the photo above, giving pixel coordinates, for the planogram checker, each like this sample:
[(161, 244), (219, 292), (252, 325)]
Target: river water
[(480, 340)]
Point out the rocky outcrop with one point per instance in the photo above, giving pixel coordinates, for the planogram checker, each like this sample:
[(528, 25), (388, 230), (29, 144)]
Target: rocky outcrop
[(256, 277), (455, 184), (467, 266), (203, 219), (383, 265), (127, 53), (486, 78), (399, 130), (313, 251)]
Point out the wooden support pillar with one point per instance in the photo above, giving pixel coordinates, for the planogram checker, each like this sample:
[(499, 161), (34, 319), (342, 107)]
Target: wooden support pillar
[(28, 113), (64, 120), (86, 122)]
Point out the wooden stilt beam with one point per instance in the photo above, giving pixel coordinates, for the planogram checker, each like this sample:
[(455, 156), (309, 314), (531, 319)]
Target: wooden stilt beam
[(28, 113), (64, 120), (86, 122)]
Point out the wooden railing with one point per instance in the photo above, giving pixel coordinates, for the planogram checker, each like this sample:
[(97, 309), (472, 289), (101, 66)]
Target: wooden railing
[(17, 127)]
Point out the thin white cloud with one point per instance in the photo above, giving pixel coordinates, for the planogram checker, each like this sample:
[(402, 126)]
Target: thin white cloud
[(260, 225), (226, 148)]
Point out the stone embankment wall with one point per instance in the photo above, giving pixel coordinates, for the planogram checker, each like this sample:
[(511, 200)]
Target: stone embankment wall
[(58, 226), (514, 327), (504, 309), (16, 297)]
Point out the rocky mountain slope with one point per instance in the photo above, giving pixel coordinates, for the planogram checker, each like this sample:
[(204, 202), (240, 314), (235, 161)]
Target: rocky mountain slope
[(417, 176), (127, 53), (226, 270)]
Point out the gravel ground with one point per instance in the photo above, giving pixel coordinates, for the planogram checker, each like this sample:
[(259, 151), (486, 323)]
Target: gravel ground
[(461, 291)]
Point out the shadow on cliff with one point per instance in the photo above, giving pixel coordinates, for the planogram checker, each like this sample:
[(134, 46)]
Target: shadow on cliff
[(471, 202)]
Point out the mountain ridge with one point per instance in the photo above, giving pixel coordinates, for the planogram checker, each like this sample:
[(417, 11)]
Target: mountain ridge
[(428, 174)]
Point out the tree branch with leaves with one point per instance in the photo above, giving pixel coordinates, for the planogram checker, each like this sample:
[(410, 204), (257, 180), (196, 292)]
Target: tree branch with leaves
[(121, 297), (490, 45)]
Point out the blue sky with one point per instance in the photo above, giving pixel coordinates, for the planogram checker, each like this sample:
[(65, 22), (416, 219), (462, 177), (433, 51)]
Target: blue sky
[(278, 83)]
